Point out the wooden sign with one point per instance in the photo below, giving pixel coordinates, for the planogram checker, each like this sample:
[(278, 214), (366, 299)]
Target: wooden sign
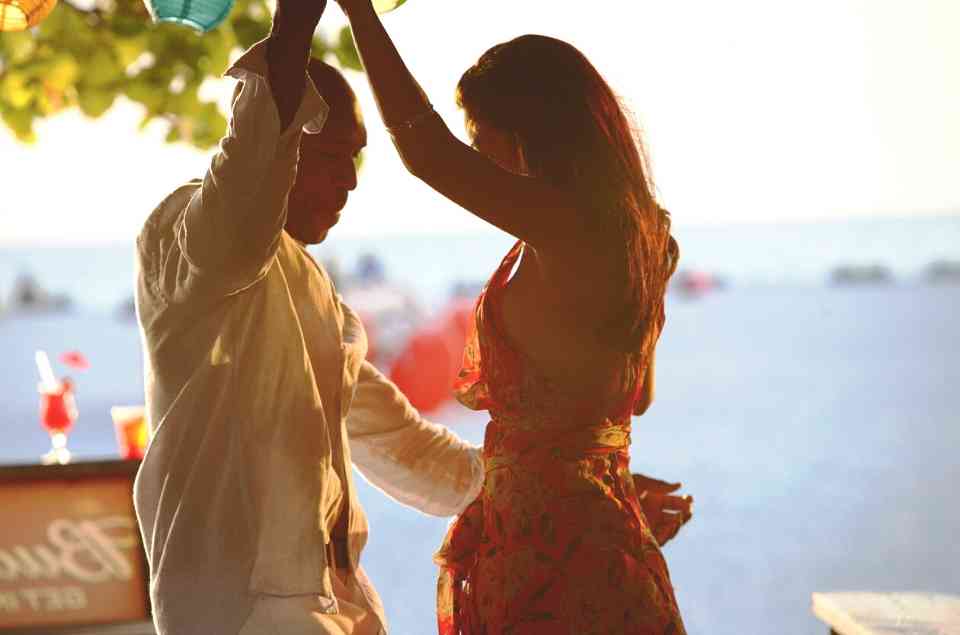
[(70, 551), (859, 613)]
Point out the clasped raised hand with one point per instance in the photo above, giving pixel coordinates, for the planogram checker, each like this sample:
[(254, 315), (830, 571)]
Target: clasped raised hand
[(349, 6), (298, 17)]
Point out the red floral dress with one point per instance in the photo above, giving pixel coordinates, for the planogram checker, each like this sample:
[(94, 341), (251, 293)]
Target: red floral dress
[(556, 542)]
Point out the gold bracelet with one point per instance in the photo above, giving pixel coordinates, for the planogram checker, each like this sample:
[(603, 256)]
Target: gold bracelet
[(413, 122)]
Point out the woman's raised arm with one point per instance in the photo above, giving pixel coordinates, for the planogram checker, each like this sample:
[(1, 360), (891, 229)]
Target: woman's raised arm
[(526, 207)]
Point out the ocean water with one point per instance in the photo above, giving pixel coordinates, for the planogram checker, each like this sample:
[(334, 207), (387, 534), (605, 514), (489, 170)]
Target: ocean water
[(817, 426), (98, 278)]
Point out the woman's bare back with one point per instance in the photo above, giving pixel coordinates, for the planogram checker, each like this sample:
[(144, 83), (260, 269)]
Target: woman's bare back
[(552, 312)]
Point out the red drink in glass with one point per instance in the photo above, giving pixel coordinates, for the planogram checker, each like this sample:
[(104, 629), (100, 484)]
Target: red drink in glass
[(58, 411), (130, 425)]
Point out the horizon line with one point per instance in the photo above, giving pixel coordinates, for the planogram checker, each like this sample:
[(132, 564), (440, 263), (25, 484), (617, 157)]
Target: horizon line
[(922, 215)]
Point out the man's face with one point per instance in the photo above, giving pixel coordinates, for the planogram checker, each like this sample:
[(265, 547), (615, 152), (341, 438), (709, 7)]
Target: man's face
[(326, 174)]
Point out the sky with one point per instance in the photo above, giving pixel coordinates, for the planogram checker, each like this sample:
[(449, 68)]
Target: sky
[(751, 110)]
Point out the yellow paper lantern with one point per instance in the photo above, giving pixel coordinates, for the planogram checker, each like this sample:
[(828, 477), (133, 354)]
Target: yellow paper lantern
[(18, 15), (384, 6)]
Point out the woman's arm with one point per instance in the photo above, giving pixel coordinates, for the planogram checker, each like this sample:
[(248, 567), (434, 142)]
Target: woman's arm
[(528, 208)]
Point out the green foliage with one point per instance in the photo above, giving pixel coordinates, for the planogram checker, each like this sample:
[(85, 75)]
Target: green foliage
[(86, 58)]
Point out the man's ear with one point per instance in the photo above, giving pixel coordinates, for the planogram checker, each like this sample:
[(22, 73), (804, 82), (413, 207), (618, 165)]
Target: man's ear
[(237, 89), (521, 157)]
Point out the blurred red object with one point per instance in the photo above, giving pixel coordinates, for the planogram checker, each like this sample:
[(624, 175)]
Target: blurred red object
[(427, 366), (75, 359)]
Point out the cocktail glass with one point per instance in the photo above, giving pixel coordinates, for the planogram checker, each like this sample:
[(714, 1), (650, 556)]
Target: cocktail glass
[(58, 411)]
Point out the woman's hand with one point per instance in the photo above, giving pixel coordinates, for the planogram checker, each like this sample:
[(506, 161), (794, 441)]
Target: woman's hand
[(349, 6), (665, 513)]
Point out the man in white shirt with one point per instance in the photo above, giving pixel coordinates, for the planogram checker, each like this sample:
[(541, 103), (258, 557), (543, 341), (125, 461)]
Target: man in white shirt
[(256, 379)]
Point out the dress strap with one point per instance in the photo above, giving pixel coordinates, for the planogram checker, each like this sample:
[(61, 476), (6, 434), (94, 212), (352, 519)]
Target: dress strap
[(470, 387), (500, 276)]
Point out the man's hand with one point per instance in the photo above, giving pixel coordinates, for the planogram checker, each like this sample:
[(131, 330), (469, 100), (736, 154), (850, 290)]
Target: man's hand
[(298, 16), (665, 513), (288, 51)]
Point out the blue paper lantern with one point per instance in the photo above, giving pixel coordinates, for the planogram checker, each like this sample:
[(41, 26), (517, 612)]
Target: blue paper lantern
[(202, 15)]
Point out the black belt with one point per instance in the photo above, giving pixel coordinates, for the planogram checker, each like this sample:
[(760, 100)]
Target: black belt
[(338, 553)]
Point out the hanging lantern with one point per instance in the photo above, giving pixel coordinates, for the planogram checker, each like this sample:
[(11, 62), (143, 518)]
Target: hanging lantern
[(382, 6), (19, 15), (202, 15)]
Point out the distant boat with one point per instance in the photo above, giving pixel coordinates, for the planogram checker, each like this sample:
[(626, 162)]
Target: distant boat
[(695, 283), (126, 310), (469, 289), (28, 296), (389, 313), (861, 274), (943, 271)]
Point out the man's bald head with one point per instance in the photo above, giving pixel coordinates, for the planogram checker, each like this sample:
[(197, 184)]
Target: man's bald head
[(336, 91), (327, 164)]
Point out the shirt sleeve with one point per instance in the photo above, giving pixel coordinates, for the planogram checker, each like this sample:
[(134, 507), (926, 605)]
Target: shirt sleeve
[(232, 224), (416, 462)]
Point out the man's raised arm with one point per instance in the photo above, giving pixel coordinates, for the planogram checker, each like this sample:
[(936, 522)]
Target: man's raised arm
[(233, 222)]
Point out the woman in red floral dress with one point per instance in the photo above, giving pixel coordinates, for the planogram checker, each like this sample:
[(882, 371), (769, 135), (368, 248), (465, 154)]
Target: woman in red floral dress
[(556, 542), (562, 353)]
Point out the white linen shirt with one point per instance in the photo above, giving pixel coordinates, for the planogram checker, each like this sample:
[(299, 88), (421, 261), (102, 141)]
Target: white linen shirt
[(255, 378)]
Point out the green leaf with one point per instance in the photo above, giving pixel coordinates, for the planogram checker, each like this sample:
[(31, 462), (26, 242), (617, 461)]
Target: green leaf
[(346, 51), (210, 126), (185, 103), (129, 49), (18, 46), (61, 72), (217, 47), (94, 101), (102, 68), (249, 31), (128, 26), (80, 57), (69, 29), (149, 94), (15, 91), (20, 121)]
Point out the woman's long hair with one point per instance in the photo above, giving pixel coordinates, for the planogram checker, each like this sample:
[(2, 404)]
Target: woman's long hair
[(573, 131)]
